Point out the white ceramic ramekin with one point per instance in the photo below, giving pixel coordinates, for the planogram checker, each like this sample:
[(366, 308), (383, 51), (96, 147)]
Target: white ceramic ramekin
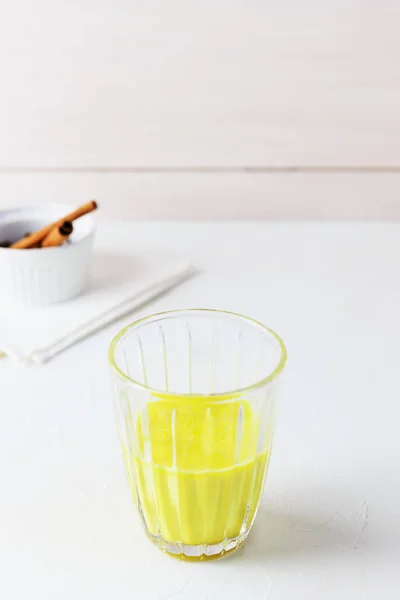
[(43, 276)]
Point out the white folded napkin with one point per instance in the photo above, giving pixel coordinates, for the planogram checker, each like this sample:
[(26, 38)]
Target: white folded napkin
[(119, 285)]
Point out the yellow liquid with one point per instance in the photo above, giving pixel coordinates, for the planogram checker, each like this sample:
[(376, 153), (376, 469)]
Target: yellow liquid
[(194, 470)]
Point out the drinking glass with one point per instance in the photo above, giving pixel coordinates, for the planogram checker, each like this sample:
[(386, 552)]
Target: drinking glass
[(195, 402)]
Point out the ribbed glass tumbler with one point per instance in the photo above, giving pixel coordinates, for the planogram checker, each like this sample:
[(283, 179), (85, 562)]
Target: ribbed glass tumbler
[(195, 402)]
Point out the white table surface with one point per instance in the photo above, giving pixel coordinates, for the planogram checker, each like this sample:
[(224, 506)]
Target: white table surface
[(329, 523)]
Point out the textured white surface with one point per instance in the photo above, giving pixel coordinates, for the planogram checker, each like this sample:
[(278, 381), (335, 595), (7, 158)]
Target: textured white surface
[(232, 82), (329, 524), (291, 196)]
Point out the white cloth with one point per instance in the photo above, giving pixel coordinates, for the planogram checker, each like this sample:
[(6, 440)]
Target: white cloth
[(119, 285)]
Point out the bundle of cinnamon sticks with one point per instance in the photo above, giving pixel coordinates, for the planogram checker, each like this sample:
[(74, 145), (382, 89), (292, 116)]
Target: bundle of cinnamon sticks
[(55, 233)]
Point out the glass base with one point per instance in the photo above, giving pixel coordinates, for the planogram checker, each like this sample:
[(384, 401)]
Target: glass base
[(200, 553)]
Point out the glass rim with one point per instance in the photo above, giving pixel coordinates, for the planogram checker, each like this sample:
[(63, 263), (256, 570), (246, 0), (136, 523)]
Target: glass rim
[(232, 393)]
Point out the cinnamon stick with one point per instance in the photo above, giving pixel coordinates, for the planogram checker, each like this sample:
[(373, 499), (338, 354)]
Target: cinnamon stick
[(58, 235), (38, 236)]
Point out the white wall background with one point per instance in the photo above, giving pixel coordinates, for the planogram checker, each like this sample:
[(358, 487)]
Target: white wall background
[(213, 109)]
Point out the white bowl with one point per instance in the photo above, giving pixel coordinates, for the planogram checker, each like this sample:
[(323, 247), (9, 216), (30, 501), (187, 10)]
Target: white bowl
[(41, 276)]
